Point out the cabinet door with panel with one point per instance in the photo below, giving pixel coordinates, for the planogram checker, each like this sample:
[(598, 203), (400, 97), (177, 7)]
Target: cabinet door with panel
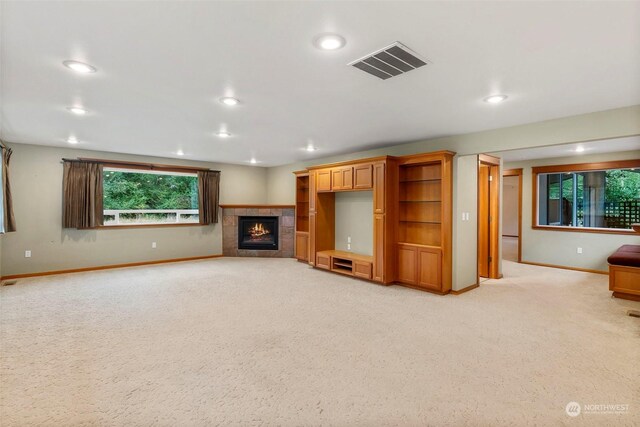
[(302, 246), (347, 177), (323, 180), (342, 178), (363, 176), (336, 179), (379, 188), (429, 268), (323, 261), (378, 248), (407, 264), (362, 269), (312, 238)]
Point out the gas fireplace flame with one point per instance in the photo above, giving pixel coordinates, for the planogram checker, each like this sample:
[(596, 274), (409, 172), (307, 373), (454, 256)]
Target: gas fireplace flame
[(258, 230)]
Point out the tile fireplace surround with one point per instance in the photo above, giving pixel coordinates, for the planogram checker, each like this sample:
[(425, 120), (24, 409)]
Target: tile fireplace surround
[(286, 216)]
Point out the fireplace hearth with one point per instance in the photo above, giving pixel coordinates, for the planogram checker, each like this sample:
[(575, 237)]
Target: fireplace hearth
[(258, 232)]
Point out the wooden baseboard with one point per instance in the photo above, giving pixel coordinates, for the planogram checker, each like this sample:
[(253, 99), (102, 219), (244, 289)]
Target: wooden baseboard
[(626, 296), (463, 290), (585, 270), (418, 288), (107, 267)]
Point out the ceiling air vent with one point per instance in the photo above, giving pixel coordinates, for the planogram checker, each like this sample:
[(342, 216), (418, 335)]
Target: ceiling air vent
[(390, 61)]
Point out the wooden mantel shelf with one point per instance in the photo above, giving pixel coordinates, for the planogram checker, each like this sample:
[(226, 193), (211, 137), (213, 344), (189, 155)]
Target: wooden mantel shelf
[(258, 206)]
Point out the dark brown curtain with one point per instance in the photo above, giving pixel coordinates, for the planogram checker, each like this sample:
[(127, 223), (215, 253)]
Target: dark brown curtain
[(82, 198), (9, 218), (209, 196)]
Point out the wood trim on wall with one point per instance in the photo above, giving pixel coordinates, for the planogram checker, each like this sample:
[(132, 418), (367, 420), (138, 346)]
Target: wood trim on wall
[(517, 172), (107, 267), (190, 224), (258, 206), (564, 267), (578, 167), (139, 165), (463, 290)]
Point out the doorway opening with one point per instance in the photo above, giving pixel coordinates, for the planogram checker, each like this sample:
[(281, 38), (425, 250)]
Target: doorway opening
[(488, 217), (512, 215)]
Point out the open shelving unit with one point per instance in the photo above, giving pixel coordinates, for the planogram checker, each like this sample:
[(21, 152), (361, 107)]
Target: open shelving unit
[(424, 222), (302, 216), (420, 210)]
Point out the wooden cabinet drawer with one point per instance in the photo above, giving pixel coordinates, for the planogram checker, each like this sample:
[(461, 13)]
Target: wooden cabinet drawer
[(362, 269), (323, 261)]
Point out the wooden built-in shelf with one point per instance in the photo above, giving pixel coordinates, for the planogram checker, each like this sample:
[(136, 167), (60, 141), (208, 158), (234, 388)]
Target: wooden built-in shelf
[(412, 218), (343, 262)]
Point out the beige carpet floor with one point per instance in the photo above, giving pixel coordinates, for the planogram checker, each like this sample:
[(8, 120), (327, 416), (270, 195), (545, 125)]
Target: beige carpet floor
[(273, 342)]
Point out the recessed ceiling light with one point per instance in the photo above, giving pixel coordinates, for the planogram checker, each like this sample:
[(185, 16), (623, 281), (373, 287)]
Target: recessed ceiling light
[(72, 140), (329, 41), (495, 99), (311, 148), (227, 100), (253, 161), (579, 149), (180, 153), (79, 67), (77, 110), (223, 134)]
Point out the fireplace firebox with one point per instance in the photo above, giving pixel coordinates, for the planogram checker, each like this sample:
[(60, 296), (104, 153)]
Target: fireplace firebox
[(258, 232)]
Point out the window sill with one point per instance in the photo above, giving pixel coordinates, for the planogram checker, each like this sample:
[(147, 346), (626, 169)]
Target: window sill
[(109, 227), (628, 232)]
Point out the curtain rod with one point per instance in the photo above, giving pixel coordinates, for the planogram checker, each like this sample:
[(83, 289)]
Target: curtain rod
[(149, 166)]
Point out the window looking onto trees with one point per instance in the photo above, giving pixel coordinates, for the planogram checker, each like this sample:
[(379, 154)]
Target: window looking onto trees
[(607, 198), (133, 197)]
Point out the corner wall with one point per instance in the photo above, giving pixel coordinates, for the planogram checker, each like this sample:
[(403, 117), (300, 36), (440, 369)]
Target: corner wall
[(560, 247), (36, 180)]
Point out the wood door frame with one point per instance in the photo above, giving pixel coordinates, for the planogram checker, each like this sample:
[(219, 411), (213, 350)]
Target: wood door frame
[(517, 172), (494, 208)]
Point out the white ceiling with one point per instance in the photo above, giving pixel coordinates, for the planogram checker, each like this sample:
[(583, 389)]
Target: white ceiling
[(163, 65), (631, 143)]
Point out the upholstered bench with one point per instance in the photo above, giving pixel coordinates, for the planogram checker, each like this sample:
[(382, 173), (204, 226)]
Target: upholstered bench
[(624, 272)]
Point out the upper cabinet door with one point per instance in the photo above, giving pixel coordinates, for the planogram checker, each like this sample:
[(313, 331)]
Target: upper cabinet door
[(347, 178), (312, 191), (342, 178), (363, 176), (323, 180), (336, 179)]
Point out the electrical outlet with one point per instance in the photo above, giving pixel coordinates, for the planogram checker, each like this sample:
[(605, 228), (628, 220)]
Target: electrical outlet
[(153, 245), (349, 239), (27, 254), (348, 246), (579, 250), (464, 216)]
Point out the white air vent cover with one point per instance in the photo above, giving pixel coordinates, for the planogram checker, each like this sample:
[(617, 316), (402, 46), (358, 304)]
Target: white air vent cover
[(390, 61)]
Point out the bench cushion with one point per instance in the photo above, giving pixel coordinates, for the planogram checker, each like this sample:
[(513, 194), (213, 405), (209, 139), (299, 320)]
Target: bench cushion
[(627, 255)]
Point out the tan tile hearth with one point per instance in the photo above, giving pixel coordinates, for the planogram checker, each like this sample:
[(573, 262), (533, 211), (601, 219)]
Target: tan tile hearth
[(286, 234)]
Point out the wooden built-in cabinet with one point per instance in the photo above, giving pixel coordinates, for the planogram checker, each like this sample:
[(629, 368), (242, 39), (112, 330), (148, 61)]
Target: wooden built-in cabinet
[(412, 219), (302, 216), (342, 178), (425, 222)]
